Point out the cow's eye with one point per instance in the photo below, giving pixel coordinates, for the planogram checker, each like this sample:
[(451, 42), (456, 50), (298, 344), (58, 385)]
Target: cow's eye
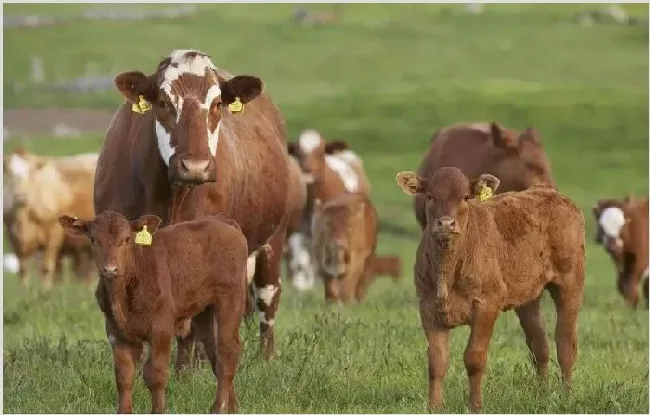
[(216, 105), (162, 104), (467, 197), (429, 197)]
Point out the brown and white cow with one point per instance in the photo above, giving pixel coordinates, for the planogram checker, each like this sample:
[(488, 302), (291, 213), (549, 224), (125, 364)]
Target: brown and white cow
[(518, 159), (190, 123), (622, 229)]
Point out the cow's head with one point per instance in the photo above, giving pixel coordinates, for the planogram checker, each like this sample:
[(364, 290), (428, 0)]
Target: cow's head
[(188, 101), (449, 193), (309, 150), (111, 238), (523, 162), (20, 170), (610, 216)]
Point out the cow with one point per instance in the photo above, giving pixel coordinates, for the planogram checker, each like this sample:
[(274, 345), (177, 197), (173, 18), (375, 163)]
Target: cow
[(36, 190), (477, 258), (154, 282), (518, 159), (344, 242), (390, 265), (192, 139), (622, 229)]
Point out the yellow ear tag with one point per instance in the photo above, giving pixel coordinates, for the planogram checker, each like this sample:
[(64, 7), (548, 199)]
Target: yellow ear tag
[(486, 192), (142, 106), (143, 237), (236, 106)]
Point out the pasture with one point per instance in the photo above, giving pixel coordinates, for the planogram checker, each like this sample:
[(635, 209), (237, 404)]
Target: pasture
[(383, 78)]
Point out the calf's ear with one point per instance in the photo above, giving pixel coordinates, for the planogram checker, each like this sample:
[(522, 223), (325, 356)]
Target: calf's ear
[(244, 87), (501, 138), (73, 226), (152, 222), (292, 148), (484, 180), (133, 84), (410, 182)]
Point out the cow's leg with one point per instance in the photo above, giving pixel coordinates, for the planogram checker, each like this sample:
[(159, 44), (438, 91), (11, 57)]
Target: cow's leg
[(126, 355), (331, 289), (86, 267), (155, 370), (267, 287), (23, 262), (58, 270), (366, 278), (50, 256), (438, 339), (476, 352), (567, 304), (532, 322)]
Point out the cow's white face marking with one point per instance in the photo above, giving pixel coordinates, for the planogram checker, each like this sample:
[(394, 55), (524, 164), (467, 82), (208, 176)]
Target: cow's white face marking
[(309, 140), (349, 156), (19, 167), (612, 220), (267, 293), (179, 65), (345, 171)]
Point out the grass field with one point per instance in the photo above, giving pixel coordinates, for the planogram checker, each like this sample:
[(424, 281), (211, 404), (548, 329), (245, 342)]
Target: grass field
[(384, 79)]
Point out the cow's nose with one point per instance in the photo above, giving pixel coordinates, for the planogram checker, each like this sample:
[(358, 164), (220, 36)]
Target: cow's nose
[(110, 270), (195, 167), (447, 222)]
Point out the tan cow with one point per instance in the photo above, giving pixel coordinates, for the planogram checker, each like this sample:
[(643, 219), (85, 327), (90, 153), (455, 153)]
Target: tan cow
[(518, 159), (194, 140), (479, 258), (154, 283), (622, 229), (345, 238), (37, 190)]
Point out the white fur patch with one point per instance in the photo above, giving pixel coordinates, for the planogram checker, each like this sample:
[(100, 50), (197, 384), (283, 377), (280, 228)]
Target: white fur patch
[(19, 166), (309, 140), (300, 265), (267, 293), (10, 263), (250, 266), (612, 220), (112, 339), (164, 143), (349, 156), (347, 174), (262, 317)]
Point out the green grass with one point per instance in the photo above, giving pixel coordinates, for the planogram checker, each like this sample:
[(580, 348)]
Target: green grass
[(384, 79)]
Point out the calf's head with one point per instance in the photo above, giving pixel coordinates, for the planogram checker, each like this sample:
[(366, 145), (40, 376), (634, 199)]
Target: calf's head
[(188, 100), (610, 216), (332, 228), (449, 193), (111, 237), (310, 150), (523, 161)]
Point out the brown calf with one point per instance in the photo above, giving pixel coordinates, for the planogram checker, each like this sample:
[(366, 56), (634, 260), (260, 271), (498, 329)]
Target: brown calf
[(194, 140), (150, 292), (518, 159), (345, 238), (477, 259)]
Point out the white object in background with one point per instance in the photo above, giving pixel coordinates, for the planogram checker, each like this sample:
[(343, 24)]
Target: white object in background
[(10, 263)]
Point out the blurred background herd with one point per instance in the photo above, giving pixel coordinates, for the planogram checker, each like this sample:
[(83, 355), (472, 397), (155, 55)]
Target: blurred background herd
[(382, 78)]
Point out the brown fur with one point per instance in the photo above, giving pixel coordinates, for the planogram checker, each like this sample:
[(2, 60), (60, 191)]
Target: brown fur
[(247, 180), (634, 252), (55, 186), (477, 259), (517, 159), (153, 292), (387, 265), (345, 238)]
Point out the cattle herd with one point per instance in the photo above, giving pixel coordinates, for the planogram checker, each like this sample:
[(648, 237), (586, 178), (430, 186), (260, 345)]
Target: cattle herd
[(196, 198)]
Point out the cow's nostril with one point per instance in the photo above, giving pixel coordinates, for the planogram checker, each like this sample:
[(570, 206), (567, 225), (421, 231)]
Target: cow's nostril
[(195, 165)]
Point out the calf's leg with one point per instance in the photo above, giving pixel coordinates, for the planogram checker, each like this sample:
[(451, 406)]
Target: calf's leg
[(126, 354), (532, 322), (438, 338), (155, 370), (476, 352), (567, 304), (267, 288)]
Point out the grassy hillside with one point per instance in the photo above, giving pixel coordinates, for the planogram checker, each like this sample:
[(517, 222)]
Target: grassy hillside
[(384, 78)]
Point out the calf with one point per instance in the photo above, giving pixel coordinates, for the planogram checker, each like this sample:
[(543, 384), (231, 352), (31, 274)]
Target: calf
[(476, 259), (152, 288), (622, 229), (345, 238)]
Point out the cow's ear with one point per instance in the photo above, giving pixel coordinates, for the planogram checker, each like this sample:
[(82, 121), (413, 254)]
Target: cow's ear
[(244, 87), (151, 221), (502, 139), (335, 146), (410, 182), (485, 186), (292, 149), (133, 84)]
